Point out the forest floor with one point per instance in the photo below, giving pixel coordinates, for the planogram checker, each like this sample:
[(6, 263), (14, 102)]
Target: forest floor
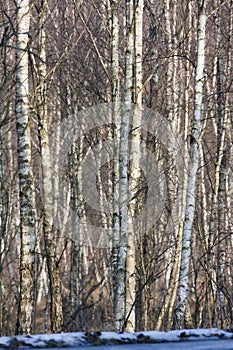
[(63, 340)]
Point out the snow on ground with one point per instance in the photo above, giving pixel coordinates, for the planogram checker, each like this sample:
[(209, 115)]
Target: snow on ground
[(98, 338)]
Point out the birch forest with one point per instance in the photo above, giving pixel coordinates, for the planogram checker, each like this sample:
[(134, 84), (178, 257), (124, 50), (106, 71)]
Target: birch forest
[(116, 143)]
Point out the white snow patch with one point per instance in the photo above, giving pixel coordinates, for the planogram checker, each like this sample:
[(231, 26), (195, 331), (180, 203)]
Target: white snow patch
[(98, 338)]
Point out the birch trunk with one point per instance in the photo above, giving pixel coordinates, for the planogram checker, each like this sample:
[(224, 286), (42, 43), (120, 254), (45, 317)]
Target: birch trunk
[(117, 298), (26, 192), (123, 166), (135, 155), (221, 312), (56, 316), (221, 195), (153, 37), (188, 76), (169, 74), (182, 293)]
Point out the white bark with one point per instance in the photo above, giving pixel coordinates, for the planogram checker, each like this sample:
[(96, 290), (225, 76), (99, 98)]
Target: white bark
[(117, 297), (188, 76), (182, 293), (169, 75), (124, 159), (135, 156), (27, 203)]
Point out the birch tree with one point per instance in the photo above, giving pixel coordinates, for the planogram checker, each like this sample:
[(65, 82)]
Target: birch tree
[(26, 191), (56, 315), (182, 293), (124, 160), (223, 64), (135, 155), (117, 297)]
